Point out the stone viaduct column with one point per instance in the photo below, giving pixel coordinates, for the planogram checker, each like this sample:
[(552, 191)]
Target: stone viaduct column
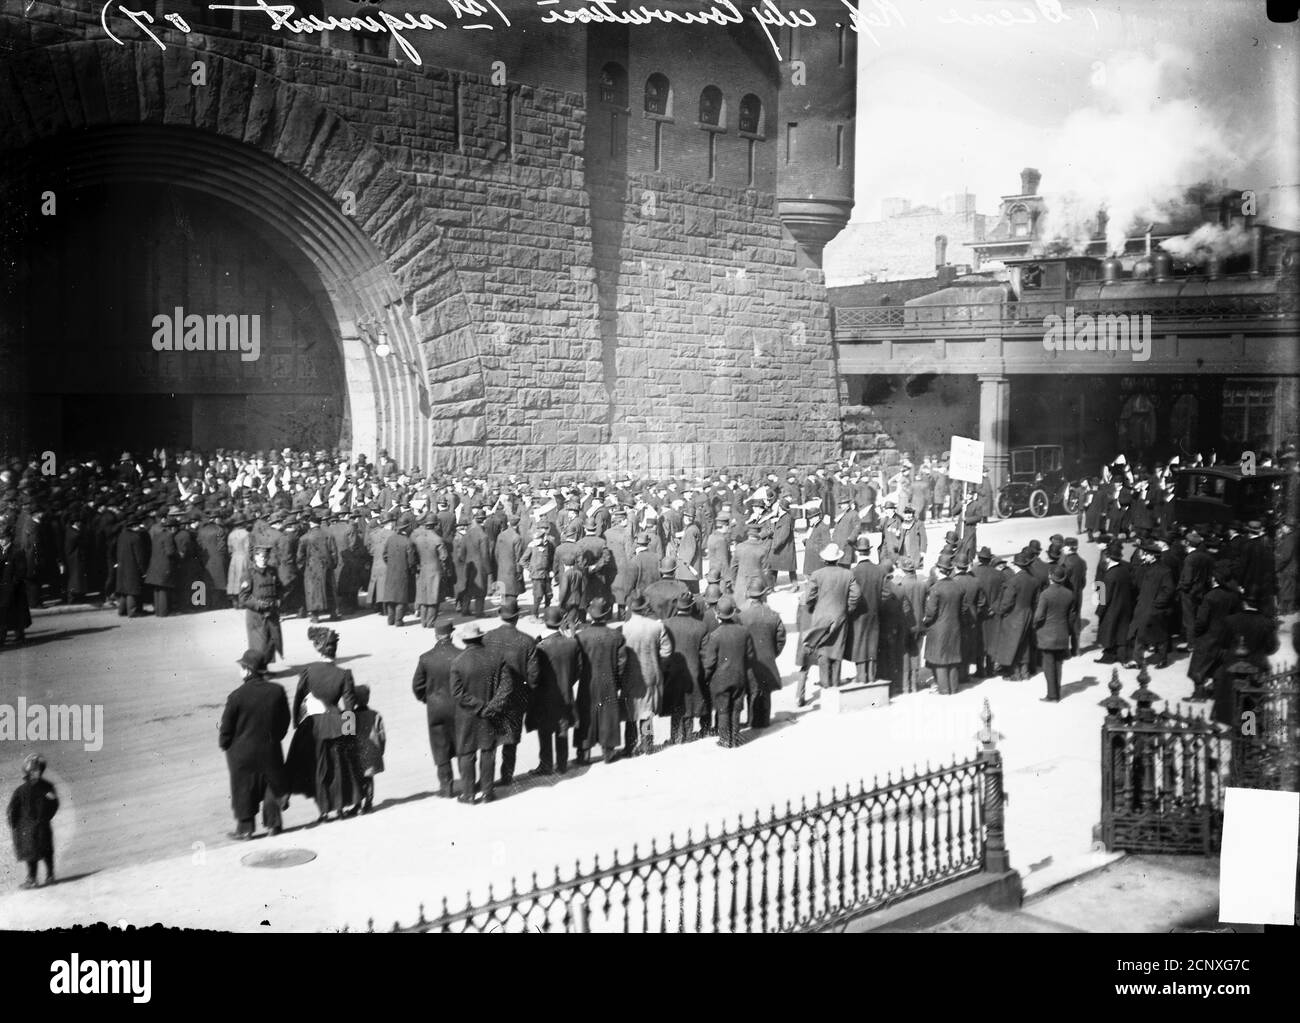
[(995, 422)]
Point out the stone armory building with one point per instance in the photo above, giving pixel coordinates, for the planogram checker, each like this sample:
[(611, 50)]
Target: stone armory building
[(536, 243)]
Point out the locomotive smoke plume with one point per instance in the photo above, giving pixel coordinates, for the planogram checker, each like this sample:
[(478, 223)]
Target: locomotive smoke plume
[(1208, 241), (1134, 152)]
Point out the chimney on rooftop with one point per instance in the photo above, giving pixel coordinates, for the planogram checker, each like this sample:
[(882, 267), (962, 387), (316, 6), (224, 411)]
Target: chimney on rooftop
[(1029, 179)]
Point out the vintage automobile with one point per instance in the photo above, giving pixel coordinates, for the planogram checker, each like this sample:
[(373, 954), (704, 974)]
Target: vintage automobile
[(1037, 483), (1219, 494)]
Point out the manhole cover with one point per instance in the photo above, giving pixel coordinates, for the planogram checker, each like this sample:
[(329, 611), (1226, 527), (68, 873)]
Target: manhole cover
[(278, 858)]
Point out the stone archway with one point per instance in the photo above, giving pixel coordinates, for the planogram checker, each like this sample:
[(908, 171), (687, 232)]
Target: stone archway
[(128, 113)]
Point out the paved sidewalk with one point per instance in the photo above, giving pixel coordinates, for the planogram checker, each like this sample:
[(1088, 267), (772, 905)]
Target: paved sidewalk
[(140, 835)]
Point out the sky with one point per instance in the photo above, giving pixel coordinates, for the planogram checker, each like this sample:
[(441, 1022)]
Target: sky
[(1121, 102)]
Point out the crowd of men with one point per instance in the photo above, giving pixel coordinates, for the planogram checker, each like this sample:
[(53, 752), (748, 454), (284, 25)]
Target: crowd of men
[(682, 565)]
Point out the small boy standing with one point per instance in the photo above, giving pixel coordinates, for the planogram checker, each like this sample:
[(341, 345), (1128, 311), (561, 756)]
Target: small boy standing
[(371, 741), (32, 807)]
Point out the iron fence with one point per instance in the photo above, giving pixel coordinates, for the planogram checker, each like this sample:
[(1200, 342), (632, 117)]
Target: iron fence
[(808, 868), (1266, 729), (1161, 776)]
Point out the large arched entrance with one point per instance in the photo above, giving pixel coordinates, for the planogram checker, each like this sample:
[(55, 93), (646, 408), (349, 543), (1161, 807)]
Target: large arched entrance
[(116, 275), (356, 254)]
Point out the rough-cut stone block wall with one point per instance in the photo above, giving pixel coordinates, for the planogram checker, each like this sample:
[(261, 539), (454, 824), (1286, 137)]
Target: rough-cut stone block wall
[(720, 337), (475, 197)]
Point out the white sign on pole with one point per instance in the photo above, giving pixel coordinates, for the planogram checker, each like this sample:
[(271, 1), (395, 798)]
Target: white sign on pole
[(966, 460)]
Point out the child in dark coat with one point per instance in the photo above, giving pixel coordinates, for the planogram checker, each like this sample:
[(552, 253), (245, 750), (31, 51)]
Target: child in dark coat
[(371, 741), (32, 807)]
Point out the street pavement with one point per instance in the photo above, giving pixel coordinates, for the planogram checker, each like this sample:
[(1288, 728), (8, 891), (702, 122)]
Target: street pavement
[(140, 835)]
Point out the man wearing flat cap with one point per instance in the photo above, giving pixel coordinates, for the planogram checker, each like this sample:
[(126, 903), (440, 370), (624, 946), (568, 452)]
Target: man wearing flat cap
[(253, 725), (432, 687)]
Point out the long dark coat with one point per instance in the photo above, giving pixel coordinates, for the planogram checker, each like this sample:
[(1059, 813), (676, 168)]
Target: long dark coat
[(508, 559), (768, 633), (1210, 642), (1258, 634), (515, 649), (1154, 599), (729, 658), (254, 723), (1258, 569), (132, 561), (942, 623), (974, 610), (162, 557), (14, 612), (782, 556), (990, 581), (431, 552), (317, 557), (480, 688), (749, 564), (1284, 569), (1117, 601), (472, 563), (604, 661), (1053, 615), (864, 624), (1015, 611), (376, 541), (31, 808), (189, 567), (818, 537), (214, 556), (912, 591), (76, 559), (553, 672), (684, 689), (432, 687), (401, 562), (832, 597)]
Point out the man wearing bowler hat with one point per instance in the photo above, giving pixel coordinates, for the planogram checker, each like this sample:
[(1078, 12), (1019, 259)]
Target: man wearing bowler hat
[(685, 693), (729, 658), (553, 672), (1053, 613), (432, 687), (1209, 635), (253, 725), (1154, 598), (1015, 612), (768, 633), (600, 685), (941, 620), (515, 649)]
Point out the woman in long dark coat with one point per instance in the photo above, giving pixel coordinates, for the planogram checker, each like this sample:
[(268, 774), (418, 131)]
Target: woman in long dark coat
[(31, 808), (338, 784)]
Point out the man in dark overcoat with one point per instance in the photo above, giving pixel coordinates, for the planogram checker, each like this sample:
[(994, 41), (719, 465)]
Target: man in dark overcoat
[(911, 588), (317, 557), (472, 566), (515, 649), (768, 633), (941, 620), (431, 554), (1052, 614), (728, 658), (1015, 611), (662, 594), (864, 623), (553, 672), (974, 609), (831, 596), (782, 557), (1251, 630), (480, 688), (214, 559), (685, 693), (131, 566), (401, 563), (1114, 606), (15, 616), (432, 687), (600, 686), (1209, 635), (1077, 579), (989, 577), (160, 574), (1150, 609), (253, 725)]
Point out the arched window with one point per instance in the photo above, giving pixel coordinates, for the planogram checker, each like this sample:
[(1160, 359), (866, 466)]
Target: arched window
[(1020, 222), (712, 107), (613, 85), (658, 96), (751, 114)]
